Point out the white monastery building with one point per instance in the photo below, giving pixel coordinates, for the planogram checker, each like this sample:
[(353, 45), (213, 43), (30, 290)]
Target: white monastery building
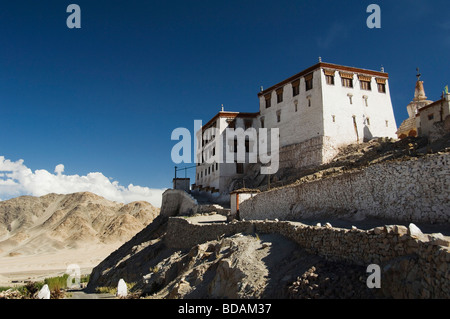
[(317, 111)]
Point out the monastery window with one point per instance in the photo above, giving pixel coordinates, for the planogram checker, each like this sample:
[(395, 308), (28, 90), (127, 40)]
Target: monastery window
[(247, 146), (217, 166), (347, 79), (368, 121), (201, 174), (262, 122), (329, 76), (209, 170), (348, 83), (279, 95), (309, 100), (334, 118), (240, 168), (387, 123), (278, 116), (214, 151), (381, 83), (296, 88), (212, 168), (430, 117), (235, 145), (309, 82), (365, 85), (365, 82), (231, 123), (296, 105), (329, 79), (268, 98), (198, 176)]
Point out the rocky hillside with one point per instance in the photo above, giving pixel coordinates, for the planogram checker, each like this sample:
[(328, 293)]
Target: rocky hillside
[(47, 224), (245, 264), (242, 266)]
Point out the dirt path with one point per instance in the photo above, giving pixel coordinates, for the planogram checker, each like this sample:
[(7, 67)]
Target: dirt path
[(81, 294)]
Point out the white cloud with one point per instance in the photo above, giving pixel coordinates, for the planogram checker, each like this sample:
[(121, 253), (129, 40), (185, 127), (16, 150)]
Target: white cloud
[(16, 179), (59, 169)]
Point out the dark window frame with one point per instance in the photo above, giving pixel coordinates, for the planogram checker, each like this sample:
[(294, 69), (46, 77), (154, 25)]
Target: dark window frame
[(329, 79), (347, 83), (365, 85)]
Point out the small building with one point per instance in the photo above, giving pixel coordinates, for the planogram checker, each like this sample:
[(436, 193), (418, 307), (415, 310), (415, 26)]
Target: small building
[(425, 117), (239, 196), (432, 115), (182, 184)]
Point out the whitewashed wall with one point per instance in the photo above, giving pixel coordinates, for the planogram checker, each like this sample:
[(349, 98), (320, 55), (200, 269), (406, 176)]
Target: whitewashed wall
[(295, 126), (336, 102)]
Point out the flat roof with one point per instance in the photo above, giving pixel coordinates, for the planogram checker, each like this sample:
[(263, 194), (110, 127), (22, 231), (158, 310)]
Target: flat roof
[(438, 102), (324, 65), (230, 115)]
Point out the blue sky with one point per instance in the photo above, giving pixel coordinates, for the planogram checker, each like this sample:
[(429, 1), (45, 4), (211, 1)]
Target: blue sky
[(106, 98)]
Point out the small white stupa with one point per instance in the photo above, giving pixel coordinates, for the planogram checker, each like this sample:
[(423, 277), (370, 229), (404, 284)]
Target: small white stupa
[(122, 288)]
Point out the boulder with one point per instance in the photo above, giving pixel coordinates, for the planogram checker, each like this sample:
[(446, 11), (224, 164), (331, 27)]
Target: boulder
[(378, 230), (400, 230), (439, 240), (414, 231)]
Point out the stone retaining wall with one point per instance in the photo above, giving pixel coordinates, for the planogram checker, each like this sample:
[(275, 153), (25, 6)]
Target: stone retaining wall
[(413, 265), (416, 190)]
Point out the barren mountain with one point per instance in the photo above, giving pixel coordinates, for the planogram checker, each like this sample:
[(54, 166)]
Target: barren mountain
[(48, 223), (66, 224)]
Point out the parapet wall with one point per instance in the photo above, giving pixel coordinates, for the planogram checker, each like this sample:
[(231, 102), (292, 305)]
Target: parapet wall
[(413, 265), (415, 190), (177, 202)]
